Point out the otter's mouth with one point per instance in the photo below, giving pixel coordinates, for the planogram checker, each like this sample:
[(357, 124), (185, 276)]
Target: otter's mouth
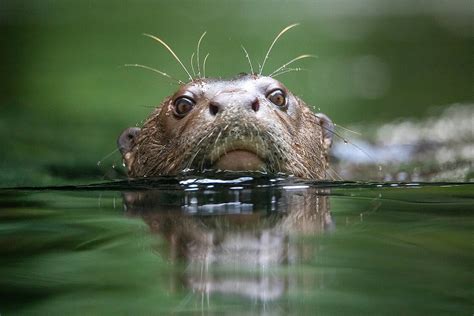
[(239, 160)]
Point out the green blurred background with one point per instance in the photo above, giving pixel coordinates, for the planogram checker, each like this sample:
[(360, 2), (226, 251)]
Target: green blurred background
[(65, 95)]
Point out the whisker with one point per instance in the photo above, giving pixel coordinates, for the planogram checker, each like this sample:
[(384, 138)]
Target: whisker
[(273, 43), (192, 64), (204, 66), (209, 144), (346, 129), (330, 169), (248, 59), (154, 70), (328, 175), (106, 156), (217, 138), (171, 51), (198, 50), (287, 70), (346, 141), (190, 162), (292, 61)]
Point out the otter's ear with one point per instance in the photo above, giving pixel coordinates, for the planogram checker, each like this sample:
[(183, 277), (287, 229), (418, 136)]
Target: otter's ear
[(126, 142), (328, 129)]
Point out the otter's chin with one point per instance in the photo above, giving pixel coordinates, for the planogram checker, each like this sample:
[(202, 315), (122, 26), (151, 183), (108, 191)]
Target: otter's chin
[(239, 160)]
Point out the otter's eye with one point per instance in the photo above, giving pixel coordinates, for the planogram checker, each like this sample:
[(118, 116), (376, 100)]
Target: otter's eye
[(277, 97), (183, 105)]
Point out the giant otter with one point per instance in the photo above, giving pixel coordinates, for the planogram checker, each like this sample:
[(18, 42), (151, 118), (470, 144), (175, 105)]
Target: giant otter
[(247, 123)]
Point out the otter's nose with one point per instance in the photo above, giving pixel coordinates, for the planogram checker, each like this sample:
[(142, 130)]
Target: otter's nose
[(233, 101)]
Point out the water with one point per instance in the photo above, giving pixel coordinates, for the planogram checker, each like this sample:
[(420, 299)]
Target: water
[(237, 246)]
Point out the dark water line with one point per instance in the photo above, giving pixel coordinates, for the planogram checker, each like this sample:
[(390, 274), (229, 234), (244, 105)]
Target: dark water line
[(173, 183)]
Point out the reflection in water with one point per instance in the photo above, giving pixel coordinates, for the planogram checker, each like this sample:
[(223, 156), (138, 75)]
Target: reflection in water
[(236, 241), (219, 248)]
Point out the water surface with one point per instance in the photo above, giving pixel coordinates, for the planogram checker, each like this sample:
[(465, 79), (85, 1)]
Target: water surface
[(238, 246)]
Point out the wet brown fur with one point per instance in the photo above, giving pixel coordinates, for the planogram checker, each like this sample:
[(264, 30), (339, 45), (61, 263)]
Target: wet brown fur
[(291, 141)]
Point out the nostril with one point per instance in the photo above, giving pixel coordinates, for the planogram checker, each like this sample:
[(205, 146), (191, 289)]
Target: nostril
[(255, 105), (213, 108)]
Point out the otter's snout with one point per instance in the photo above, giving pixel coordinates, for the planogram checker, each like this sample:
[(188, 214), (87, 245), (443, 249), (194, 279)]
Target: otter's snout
[(233, 101)]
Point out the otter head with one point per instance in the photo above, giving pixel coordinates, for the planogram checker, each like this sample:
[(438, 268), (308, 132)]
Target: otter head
[(249, 123)]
